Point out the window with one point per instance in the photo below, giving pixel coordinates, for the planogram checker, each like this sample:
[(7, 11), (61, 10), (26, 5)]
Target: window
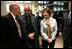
[(55, 9), (7, 7), (19, 1), (62, 8), (58, 8), (58, 3), (27, 1), (40, 7), (44, 2), (62, 3), (21, 7), (8, 1), (54, 2), (40, 2)]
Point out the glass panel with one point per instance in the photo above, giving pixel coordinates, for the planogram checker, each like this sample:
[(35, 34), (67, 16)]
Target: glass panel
[(58, 8), (62, 3), (19, 1), (21, 7), (40, 1), (55, 9), (54, 2), (27, 1), (58, 3), (7, 7), (62, 8), (40, 7), (9, 1), (44, 2)]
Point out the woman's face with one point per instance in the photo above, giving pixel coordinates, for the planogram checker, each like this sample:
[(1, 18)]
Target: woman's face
[(45, 14)]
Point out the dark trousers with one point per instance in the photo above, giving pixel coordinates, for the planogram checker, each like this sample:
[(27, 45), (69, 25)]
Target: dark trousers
[(45, 44), (67, 44), (31, 42), (67, 38)]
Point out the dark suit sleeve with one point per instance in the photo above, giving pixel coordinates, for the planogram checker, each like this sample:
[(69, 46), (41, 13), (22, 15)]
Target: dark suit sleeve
[(62, 28), (3, 31)]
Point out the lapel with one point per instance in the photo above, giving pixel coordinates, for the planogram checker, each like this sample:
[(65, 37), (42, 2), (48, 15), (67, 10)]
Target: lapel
[(32, 20), (51, 21), (24, 19), (11, 21), (66, 16)]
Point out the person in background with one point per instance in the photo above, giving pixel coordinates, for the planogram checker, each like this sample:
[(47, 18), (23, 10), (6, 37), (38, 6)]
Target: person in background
[(48, 29), (67, 28), (55, 16), (31, 12), (38, 20)]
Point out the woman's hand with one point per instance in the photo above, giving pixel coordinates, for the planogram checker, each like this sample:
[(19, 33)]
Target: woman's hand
[(49, 40)]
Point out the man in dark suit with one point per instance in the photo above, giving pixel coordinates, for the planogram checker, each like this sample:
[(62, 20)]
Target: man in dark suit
[(39, 18), (53, 14), (11, 32), (67, 28), (31, 27)]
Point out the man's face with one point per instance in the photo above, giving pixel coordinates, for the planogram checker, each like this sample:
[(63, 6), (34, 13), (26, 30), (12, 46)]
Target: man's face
[(30, 11), (37, 14), (27, 11), (51, 11), (16, 10), (69, 5)]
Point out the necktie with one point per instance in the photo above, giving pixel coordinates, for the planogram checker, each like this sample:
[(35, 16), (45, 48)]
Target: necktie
[(22, 17), (18, 26), (69, 18)]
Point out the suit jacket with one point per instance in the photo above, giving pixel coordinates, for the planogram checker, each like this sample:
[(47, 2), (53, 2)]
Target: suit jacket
[(44, 26), (24, 34), (34, 23), (55, 15), (60, 21), (66, 27), (9, 33)]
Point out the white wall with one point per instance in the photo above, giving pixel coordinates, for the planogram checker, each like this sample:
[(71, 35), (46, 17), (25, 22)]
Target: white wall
[(3, 8)]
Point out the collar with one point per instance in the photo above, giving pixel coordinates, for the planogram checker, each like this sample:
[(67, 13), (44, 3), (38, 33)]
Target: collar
[(12, 15), (51, 19)]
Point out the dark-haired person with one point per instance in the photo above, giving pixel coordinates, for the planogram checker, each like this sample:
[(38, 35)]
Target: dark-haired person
[(48, 29)]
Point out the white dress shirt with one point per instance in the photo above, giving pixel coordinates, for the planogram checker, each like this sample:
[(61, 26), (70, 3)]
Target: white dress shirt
[(18, 26)]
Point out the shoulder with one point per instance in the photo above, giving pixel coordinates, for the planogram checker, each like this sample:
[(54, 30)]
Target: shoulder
[(23, 15), (53, 19), (6, 17), (43, 20)]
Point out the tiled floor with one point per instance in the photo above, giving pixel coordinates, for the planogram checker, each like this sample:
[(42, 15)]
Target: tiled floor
[(58, 43)]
